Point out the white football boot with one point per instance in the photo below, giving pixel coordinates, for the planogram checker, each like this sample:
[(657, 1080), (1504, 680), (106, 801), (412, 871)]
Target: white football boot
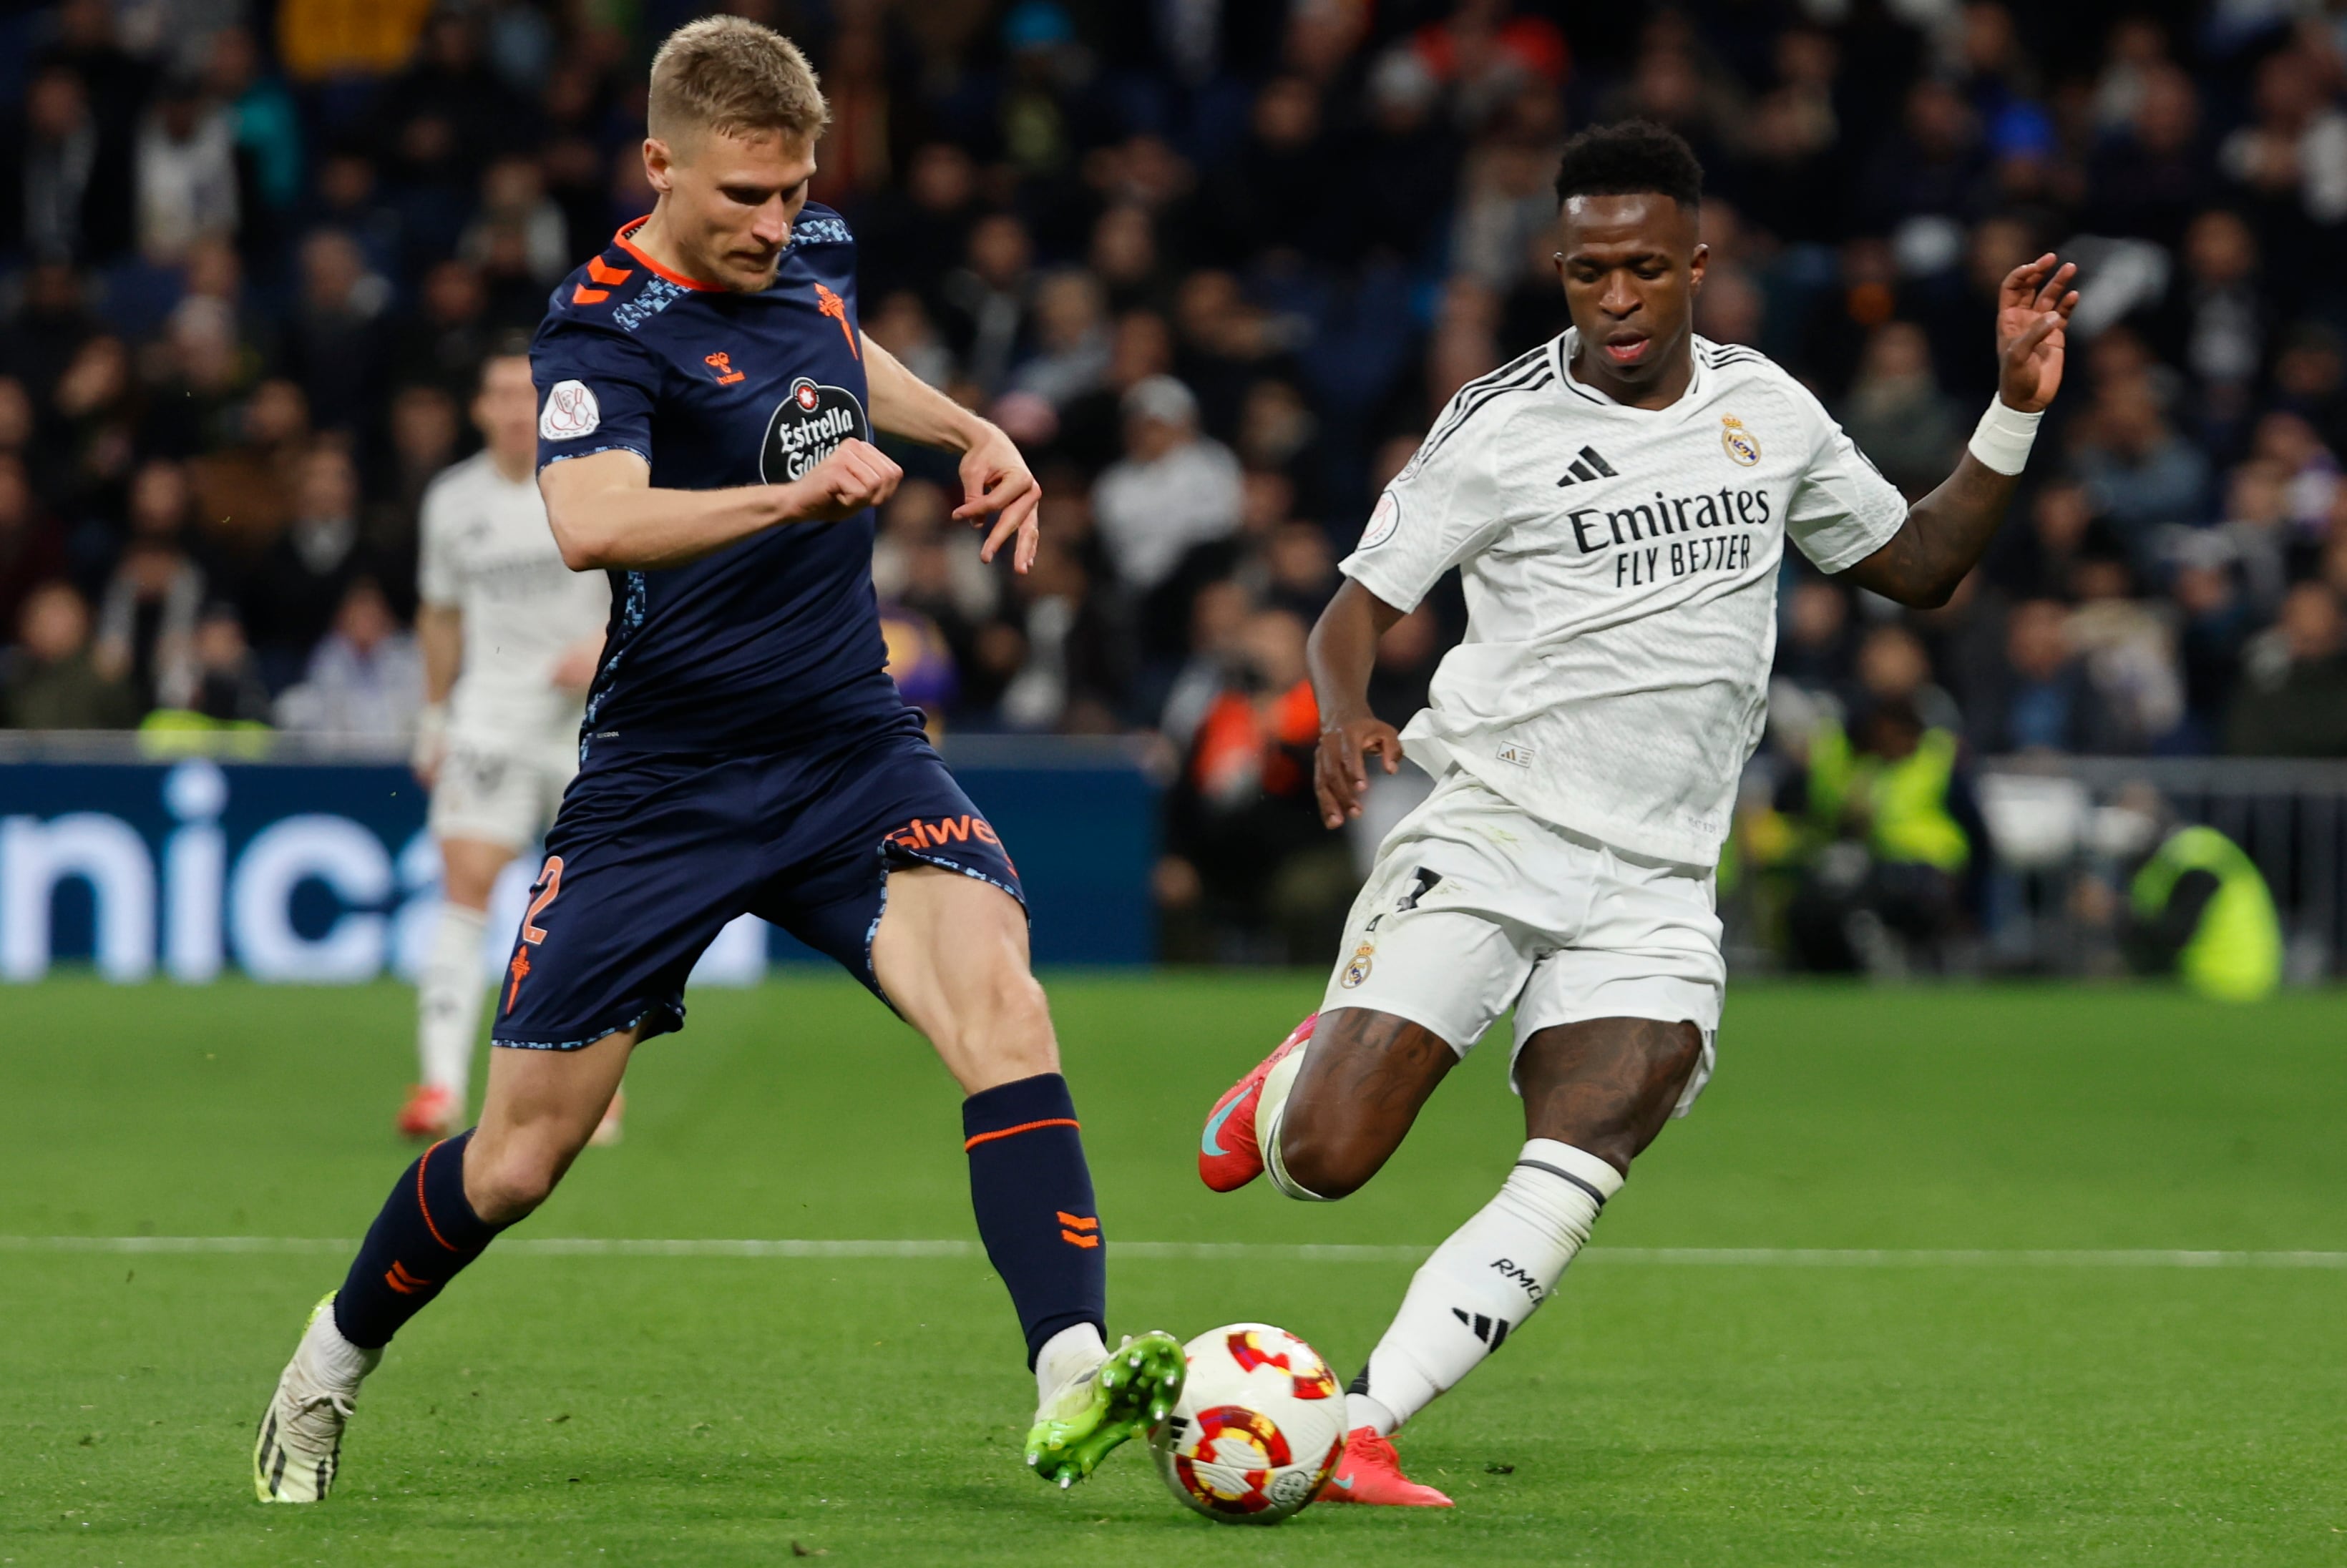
[(299, 1447)]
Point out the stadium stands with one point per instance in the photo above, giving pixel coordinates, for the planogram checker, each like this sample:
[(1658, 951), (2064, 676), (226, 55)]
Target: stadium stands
[(1216, 267)]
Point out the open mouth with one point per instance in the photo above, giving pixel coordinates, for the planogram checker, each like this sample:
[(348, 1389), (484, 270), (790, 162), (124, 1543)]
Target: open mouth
[(1628, 349)]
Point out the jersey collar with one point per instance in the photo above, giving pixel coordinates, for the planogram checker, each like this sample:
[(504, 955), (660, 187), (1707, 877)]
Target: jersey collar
[(1569, 340), (624, 241)]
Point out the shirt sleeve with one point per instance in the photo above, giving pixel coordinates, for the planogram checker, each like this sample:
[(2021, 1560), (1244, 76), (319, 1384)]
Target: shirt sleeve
[(435, 574), (595, 393), (1842, 509), (1442, 508)]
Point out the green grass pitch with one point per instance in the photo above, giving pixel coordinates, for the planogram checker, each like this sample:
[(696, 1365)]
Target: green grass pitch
[(1934, 1409)]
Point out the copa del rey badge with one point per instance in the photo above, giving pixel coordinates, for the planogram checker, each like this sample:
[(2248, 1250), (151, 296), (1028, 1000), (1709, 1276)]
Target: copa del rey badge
[(1742, 446), (571, 412)]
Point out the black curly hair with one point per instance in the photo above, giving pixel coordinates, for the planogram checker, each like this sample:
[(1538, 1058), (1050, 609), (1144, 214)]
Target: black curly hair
[(1630, 158)]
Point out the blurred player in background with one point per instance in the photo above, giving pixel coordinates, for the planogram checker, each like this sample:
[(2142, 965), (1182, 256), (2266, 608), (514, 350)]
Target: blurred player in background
[(707, 407), (511, 637), (1619, 501)]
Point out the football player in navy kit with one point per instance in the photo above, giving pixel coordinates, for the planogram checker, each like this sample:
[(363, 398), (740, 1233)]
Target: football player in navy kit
[(707, 403)]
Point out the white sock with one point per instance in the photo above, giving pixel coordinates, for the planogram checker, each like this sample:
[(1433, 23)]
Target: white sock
[(1360, 1411), (448, 999), (1068, 1353), (331, 1360), (1481, 1284), (1271, 1115)]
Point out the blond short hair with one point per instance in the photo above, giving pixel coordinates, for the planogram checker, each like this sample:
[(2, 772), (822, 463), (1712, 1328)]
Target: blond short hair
[(730, 76)]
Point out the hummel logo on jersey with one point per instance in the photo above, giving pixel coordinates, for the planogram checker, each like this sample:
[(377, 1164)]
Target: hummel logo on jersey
[(1586, 467), (721, 367), (1491, 1330)]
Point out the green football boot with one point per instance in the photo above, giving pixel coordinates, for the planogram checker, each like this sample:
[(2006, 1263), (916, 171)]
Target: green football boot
[(1123, 1396)]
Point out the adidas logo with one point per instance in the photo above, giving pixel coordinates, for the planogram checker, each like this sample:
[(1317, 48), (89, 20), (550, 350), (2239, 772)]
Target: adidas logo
[(1492, 1331), (1586, 467)]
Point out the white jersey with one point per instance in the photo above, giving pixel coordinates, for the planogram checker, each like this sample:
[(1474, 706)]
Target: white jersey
[(489, 553), (1621, 575)]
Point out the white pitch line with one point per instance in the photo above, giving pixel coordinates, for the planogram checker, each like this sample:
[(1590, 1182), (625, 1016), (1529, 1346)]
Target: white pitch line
[(1246, 1251)]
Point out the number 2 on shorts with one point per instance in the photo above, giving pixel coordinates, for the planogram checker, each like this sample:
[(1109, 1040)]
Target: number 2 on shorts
[(548, 884)]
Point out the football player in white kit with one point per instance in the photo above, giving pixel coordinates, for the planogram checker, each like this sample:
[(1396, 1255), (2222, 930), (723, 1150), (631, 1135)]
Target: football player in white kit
[(510, 638), (1618, 501)]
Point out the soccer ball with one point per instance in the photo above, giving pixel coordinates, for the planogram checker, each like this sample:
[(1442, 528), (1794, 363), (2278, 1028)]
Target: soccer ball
[(1258, 1428)]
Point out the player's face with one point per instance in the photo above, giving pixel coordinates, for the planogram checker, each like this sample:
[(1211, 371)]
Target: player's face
[(730, 201), (504, 411), (1631, 266)]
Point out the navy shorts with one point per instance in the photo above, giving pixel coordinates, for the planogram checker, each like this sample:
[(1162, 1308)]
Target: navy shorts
[(650, 856)]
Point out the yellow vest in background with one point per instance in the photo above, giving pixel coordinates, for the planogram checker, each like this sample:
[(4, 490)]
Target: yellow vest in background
[(321, 38), (1906, 800), (2234, 954)]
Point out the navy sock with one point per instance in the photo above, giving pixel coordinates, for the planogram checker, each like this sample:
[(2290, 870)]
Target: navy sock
[(1033, 1195), (426, 1233)]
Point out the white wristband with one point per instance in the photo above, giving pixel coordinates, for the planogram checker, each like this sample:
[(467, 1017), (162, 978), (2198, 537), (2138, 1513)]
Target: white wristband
[(2003, 437)]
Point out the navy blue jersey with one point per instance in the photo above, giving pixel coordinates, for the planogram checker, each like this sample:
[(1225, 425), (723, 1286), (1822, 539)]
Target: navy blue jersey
[(774, 641)]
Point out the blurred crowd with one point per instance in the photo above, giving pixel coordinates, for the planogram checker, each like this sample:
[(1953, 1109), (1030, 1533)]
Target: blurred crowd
[(1215, 264)]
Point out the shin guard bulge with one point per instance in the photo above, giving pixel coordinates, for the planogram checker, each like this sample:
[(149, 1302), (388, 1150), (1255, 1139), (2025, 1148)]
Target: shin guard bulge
[(1480, 1285), (1032, 1195), (426, 1233)]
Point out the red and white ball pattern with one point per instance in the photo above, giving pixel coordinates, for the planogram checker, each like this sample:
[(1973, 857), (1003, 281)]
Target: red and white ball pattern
[(1258, 1428)]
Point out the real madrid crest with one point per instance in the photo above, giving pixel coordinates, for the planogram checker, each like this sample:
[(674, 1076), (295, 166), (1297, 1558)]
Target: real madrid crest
[(1741, 446), (1357, 970)]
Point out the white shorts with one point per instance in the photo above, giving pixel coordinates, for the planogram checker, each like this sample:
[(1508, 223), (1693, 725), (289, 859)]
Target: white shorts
[(500, 796), (1474, 906)]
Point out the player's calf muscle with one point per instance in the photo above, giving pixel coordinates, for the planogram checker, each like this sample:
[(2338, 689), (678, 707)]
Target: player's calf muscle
[(1363, 1084), (1606, 1085), (541, 1109)]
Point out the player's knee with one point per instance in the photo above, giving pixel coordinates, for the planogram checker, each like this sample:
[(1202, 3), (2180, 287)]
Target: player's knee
[(510, 1182), (469, 888), (469, 868), (1324, 1160), (1017, 1021), (1003, 1028), (1671, 1053), (1683, 1055)]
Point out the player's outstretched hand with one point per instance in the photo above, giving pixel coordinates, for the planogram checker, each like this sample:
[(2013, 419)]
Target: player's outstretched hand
[(1340, 771), (995, 479), (855, 476), (2032, 315)]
